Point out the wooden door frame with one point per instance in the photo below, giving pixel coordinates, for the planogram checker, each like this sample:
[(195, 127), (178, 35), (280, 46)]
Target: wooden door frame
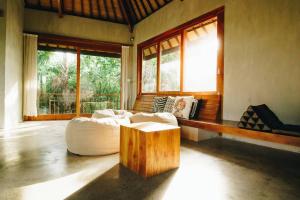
[(79, 44)]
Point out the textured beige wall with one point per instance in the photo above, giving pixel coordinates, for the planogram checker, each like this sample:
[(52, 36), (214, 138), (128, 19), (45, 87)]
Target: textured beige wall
[(13, 62), (262, 62), (2, 63), (72, 26)]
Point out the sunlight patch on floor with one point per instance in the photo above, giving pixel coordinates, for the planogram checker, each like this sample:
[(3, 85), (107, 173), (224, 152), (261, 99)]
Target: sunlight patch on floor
[(62, 187)]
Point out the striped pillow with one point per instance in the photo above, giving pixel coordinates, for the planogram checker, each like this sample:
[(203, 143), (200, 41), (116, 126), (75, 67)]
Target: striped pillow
[(169, 104), (159, 104)]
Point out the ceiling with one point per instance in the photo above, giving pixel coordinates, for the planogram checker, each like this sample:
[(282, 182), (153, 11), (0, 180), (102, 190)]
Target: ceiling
[(118, 11)]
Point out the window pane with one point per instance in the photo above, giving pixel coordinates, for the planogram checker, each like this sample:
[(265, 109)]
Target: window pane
[(200, 63), (170, 64), (100, 79), (56, 82), (149, 69)]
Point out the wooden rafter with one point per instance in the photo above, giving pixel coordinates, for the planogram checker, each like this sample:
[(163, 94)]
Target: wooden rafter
[(106, 9), (130, 10), (125, 10), (144, 7), (51, 4), (98, 9), (91, 8), (60, 8), (157, 3), (150, 5), (138, 9), (118, 11), (82, 7), (73, 6), (114, 10)]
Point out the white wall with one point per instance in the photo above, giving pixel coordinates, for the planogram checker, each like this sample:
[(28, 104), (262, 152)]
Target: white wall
[(73, 26), (262, 40), (2, 63), (11, 80)]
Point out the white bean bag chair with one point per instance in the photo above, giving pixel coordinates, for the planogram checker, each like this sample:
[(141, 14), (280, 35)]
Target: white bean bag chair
[(91, 136), (103, 113), (110, 113), (165, 117)]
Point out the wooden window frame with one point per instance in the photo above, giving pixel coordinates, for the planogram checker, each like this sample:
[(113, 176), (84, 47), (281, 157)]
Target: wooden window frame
[(79, 45), (180, 30)]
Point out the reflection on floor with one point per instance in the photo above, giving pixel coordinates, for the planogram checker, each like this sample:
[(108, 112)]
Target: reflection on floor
[(34, 164)]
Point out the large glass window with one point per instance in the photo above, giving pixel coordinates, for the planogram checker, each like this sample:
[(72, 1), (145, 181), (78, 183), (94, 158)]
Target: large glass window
[(56, 82), (170, 64), (185, 60), (149, 69), (100, 79), (200, 61)]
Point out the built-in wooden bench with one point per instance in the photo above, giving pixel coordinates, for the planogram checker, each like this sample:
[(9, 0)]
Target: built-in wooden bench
[(210, 120)]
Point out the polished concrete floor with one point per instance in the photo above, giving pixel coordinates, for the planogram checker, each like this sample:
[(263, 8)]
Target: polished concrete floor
[(34, 164)]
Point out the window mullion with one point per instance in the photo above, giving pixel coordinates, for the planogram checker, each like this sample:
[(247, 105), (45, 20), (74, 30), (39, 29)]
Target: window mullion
[(78, 83), (158, 69), (181, 59)]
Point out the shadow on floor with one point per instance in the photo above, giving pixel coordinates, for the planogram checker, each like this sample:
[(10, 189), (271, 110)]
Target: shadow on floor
[(272, 162), (121, 183)]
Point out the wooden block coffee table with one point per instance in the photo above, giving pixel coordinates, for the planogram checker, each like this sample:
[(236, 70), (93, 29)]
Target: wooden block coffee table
[(150, 148)]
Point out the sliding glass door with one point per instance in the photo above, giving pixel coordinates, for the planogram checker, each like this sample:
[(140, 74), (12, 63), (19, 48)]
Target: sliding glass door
[(56, 82), (100, 79), (58, 71)]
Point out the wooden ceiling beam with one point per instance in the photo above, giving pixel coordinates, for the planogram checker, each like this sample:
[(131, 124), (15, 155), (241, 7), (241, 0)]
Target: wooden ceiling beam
[(98, 9), (158, 5), (51, 4), (60, 8), (91, 8), (82, 7), (106, 10), (138, 9), (73, 6), (126, 12), (150, 5), (144, 7), (114, 10), (131, 9)]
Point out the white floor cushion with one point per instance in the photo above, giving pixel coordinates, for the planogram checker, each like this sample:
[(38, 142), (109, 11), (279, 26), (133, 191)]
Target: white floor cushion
[(165, 117), (103, 113), (91, 136), (110, 113)]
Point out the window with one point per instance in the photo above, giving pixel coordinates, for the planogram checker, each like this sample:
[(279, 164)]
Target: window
[(149, 69), (56, 82), (170, 64), (200, 58), (190, 58)]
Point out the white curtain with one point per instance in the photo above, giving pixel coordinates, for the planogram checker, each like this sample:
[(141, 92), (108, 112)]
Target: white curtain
[(126, 65), (30, 75)]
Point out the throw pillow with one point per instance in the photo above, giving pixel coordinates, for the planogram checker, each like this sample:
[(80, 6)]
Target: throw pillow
[(182, 107), (169, 104), (197, 103), (159, 104)]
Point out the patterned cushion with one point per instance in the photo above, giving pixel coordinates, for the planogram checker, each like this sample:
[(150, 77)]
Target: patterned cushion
[(159, 104), (169, 104), (182, 107), (194, 114), (252, 120)]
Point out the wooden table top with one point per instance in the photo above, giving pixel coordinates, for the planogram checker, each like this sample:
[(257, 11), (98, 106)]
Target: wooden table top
[(149, 127)]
